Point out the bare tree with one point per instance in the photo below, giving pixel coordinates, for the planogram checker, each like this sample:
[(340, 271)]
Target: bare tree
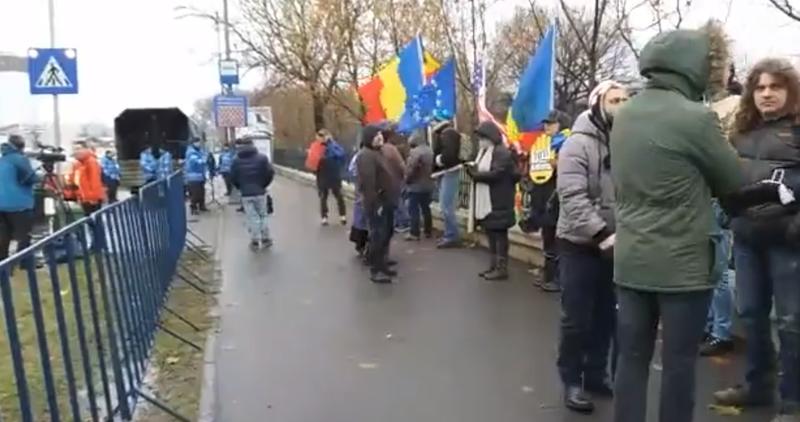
[(589, 48), (788, 7), (660, 15), (297, 41)]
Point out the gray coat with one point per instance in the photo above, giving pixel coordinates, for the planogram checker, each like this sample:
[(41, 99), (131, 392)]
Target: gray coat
[(419, 168), (585, 189)]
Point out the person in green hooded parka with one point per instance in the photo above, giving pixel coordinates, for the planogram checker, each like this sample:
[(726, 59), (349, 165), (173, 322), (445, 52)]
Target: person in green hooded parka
[(669, 157)]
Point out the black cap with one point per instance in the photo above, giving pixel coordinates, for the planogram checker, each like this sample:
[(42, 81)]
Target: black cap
[(368, 133), (17, 141), (558, 116)]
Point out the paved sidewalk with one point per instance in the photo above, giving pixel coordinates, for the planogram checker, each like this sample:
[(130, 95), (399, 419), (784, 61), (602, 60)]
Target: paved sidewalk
[(305, 337)]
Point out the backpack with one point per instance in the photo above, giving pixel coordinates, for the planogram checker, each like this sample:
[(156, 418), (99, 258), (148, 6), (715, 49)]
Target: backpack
[(334, 151), (315, 152)]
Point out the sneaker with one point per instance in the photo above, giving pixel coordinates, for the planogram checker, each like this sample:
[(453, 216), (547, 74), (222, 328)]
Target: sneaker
[(390, 262), (448, 244), (343, 220), (716, 347), (742, 396), (550, 287), (266, 243), (411, 238), (379, 277), (403, 229), (324, 221), (254, 246)]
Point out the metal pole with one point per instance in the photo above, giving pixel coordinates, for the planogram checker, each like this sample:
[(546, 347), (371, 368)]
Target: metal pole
[(56, 114), (228, 89)]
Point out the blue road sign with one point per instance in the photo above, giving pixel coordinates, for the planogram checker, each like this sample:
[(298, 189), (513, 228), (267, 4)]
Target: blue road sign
[(230, 110), (53, 70)]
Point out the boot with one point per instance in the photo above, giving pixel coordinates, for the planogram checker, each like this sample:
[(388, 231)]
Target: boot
[(500, 273), (492, 266)]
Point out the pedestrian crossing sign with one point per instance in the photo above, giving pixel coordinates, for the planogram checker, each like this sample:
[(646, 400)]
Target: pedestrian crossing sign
[(53, 71)]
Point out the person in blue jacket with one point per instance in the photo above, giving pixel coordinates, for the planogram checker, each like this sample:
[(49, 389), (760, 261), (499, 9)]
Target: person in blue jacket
[(17, 179), (195, 167), (111, 176), (225, 162), (155, 163)]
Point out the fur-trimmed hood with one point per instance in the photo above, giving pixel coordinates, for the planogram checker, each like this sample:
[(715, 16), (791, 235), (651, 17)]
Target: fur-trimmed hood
[(693, 62)]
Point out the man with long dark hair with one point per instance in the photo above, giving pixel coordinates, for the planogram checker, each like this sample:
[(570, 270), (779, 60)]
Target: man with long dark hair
[(767, 241)]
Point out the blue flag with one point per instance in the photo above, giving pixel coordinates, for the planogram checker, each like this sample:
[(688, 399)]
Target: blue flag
[(535, 96), (437, 99)]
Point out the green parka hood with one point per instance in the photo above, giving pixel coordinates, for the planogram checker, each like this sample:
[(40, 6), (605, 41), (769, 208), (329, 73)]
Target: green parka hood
[(692, 62)]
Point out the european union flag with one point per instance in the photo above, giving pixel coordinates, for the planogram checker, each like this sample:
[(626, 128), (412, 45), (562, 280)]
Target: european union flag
[(437, 99)]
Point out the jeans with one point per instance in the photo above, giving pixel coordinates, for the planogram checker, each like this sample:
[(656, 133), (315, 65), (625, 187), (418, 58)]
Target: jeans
[(551, 273), (323, 200), (588, 315), (720, 314), (420, 202), (764, 274), (682, 316), (498, 243), (448, 201), (255, 211), (15, 226), (401, 217), (226, 177), (112, 187), (381, 225)]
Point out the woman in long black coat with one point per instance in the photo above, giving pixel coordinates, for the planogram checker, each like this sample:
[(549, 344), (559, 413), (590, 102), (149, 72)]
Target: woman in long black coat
[(495, 176)]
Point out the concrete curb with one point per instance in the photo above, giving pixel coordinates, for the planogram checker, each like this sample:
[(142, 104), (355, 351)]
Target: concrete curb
[(207, 411), (523, 247)]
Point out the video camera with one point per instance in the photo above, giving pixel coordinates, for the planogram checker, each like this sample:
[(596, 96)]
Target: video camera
[(48, 155)]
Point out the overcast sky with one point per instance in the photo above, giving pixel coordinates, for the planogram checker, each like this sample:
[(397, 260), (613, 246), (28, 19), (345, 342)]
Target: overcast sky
[(135, 53)]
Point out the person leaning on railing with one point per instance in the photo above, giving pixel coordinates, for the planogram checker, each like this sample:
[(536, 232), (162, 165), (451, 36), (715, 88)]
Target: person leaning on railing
[(17, 179)]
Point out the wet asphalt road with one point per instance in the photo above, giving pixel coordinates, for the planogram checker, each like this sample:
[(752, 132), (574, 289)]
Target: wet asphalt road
[(305, 337)]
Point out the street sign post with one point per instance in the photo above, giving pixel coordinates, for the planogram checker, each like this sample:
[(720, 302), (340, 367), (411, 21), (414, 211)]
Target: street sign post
[(53, 71), (228, 72), (230, 111)]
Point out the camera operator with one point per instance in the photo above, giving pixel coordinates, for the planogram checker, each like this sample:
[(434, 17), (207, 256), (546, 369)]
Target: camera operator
[(88, 177), (17, 179)]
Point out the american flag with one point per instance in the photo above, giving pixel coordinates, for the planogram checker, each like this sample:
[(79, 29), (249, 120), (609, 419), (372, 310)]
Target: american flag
[(479, 88)]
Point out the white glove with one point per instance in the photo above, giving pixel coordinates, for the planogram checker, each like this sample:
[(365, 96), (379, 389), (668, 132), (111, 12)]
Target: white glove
[(786, 194), (439, 160), (608, 242)]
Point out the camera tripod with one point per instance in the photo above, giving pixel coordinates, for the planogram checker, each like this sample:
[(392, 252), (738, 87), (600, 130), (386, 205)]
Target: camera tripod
[(214, 200), (54, 189)]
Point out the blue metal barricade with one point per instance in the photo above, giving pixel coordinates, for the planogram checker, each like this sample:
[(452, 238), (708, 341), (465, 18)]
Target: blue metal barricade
[(81, 309)]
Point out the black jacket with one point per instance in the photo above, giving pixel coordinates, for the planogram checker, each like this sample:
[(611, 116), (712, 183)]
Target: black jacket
[(773, 146), (501, 178), (446, 149), (251, 171), (375, 182)]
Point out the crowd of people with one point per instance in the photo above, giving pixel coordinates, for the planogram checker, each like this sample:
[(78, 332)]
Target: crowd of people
[(652, 207)]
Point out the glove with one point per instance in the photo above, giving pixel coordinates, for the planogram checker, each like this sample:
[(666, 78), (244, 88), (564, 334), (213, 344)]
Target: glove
[(608, 243), (785, 194), (763, 192)]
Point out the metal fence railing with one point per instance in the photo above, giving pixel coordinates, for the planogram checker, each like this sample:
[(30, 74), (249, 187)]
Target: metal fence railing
[(81, 309)]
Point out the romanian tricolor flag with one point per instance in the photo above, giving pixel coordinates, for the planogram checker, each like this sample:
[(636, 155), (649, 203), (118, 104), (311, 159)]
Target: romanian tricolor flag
[(535, 96), (386, 94)]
